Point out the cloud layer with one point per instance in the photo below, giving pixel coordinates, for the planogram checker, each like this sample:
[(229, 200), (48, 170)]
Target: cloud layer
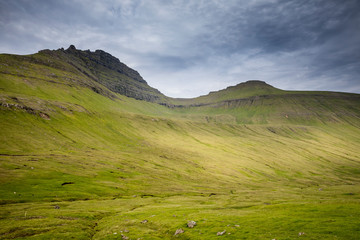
[(187, 48)]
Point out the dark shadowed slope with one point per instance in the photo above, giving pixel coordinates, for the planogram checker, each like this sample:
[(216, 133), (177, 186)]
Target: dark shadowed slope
[(106, 70)]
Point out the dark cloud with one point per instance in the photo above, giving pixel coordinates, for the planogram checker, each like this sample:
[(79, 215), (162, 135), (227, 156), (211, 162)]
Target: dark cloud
[(187, 48)]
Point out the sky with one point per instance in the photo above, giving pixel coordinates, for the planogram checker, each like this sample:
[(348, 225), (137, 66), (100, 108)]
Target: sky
[(187, 48)]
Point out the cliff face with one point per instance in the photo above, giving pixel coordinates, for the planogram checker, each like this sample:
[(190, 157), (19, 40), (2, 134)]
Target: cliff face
[(107, 70)]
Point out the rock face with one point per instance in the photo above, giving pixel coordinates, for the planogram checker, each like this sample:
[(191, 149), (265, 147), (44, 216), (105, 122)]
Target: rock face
[(107, 70), (108, 61)]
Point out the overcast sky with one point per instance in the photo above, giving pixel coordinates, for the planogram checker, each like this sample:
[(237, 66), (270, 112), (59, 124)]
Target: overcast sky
[(186, 48)]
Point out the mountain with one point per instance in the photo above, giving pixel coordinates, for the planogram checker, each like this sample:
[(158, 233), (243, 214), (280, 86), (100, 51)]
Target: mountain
[(89, 151), (99, 67)]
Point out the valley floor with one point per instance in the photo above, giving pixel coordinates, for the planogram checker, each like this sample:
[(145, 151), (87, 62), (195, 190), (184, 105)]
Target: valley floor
[(330, 213)]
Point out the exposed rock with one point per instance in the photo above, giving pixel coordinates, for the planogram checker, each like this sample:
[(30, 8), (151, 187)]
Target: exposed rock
[(191, 224), (179, 231), (144, 221), (44, 116), (301, 233), (124, 237), (221, 233), (119, 77), (72, 47)]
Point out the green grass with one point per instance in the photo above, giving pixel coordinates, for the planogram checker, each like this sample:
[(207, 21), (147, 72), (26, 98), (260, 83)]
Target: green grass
[(264, 168)]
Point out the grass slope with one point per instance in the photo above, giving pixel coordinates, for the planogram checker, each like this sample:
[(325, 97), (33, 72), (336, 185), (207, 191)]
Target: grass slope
[(84, 164)]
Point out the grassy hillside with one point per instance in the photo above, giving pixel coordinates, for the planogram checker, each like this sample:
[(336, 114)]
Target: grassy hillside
[(78, 160), (241, 91)]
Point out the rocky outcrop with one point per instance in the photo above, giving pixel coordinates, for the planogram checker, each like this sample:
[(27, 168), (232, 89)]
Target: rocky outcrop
[(107, 70)]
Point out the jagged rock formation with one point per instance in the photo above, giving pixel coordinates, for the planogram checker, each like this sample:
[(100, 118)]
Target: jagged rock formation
[(107, 70)]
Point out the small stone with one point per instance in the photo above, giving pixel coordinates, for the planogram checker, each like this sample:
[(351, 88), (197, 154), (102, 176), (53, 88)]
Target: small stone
[(179, 231), (126, 230), (191, 224), (144, 221), (301, 233), (115, 233), (237, 225), (221, 233), (124, 237), (57, 207)]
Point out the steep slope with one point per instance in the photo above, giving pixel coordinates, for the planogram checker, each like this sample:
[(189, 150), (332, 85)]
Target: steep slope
[(97, 70), (78, 160)]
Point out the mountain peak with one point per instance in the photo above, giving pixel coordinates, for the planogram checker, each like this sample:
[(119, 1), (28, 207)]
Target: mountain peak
[(71, 47), (108, 71), (253, 83)]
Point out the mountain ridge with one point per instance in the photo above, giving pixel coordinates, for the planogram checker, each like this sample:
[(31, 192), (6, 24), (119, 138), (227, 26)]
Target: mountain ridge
[(116, 76), (253, 101)]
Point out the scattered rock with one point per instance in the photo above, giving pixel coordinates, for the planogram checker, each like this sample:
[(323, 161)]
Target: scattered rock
[(44, 116), (301, 233), (221, 233), (144, 221), (124, 237), (191, 224), (179, 231), (57, 207)]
